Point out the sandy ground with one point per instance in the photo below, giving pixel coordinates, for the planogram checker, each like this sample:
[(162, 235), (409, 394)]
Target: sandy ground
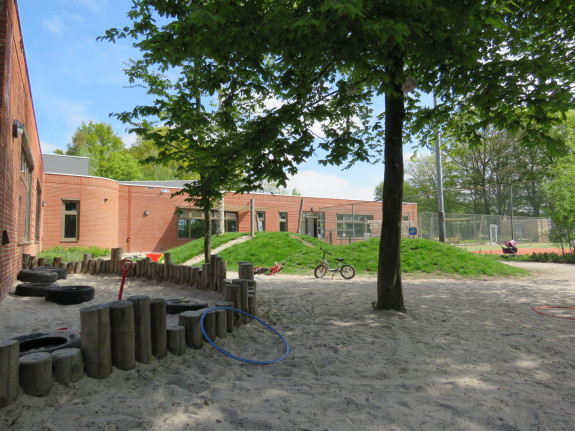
[(468, 355)]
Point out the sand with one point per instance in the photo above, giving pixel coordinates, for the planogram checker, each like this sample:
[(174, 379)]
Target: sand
[(468, 355)]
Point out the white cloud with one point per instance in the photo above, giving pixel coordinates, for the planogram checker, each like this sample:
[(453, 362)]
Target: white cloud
[(48, 148), (54, 24), (319, 185)]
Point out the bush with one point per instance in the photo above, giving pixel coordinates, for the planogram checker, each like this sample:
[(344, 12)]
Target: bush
[(72, 254)]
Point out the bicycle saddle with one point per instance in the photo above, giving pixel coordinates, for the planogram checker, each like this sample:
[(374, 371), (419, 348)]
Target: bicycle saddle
[(340, 259)]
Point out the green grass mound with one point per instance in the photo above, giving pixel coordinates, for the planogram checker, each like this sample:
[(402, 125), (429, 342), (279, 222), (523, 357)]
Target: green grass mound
[(301, 254), (195, 248)]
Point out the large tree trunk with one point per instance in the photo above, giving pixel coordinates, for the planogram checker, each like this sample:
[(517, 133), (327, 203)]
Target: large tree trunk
[(389, 288)]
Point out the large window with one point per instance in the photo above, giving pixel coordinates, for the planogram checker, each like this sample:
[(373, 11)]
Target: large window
[(70, 220), (283, 216), (261, 221), (25, 196), (353, 226), (191, 223)]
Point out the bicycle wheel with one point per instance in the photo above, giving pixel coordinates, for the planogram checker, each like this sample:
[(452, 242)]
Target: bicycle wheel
[(320, 271), (347, 272)]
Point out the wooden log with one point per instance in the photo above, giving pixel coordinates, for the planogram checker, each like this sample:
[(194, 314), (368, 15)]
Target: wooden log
[(98, 266), (158, 327), (252, 305), (26, 261), (67, 365), (78, 268), (176, 339), (194, 277), (188, 275), (36, 374), (246, 270), (41, 261), (243, 283), (235, 298), (210, 324), (221, 326), (229, 314), (96, 340), (212, 280), (143, 327), (70, 267), (33, 261), (167, 266), (222, 273), (9, 372), (87, 258), (91, 266), (123, 334), (206, 271), (57, 262), (190, 320)]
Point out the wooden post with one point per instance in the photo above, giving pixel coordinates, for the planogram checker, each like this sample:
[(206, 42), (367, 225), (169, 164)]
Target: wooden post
[(36, 374), (67, 365), (143, 328), (221, 327), (9, 371), (78, 268), (123, 334), (223, 271), (206, 271), (98, 266), (246, 270), (91, 266), (212, 281), (41, 261), (167, 266), (229, 314), (33, 262), (252, 304), (243, 283), (70, 267), (235, 298), (191, 321), (195, 277), (57, 262), (210, 325), (176, 339), (87, 258), (158, 327), (25, 261), (96, 340)]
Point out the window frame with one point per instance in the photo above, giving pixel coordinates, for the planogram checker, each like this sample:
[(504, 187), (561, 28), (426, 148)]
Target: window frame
[(68, 213), (352, 221), (283, 222)]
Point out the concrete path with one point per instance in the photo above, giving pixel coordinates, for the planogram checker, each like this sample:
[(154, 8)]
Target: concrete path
[(216, 250)]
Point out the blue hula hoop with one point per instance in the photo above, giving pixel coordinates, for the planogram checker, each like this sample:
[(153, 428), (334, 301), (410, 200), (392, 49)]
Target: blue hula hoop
[(225, 352)]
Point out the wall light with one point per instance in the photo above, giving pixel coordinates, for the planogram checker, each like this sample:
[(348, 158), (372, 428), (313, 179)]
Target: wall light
[(43, 203), (147, 212), (17, 129)]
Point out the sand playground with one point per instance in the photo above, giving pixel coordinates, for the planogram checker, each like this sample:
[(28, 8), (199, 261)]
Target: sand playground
[(469, 355)]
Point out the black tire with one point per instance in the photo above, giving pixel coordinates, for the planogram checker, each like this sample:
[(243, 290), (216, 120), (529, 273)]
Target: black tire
[(47, 341), (67, 295), (37, 276), (62, 272), (32, 289), (177, 306), (320, 271), (347, 272)]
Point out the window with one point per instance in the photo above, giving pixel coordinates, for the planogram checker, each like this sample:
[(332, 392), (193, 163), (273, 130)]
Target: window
[(25, 206), (38, 210), (261, 221), (405, 217), (191, 223), (283, 221), (350, 226), (70, 220)]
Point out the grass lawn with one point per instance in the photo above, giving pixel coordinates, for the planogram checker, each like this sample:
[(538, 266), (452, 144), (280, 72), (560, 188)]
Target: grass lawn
[(301, 254)]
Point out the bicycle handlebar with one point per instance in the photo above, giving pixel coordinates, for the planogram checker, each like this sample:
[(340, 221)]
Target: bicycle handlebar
[(325, 251)]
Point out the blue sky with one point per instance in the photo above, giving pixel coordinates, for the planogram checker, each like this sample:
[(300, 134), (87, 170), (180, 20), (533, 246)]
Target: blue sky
[(75, 78)]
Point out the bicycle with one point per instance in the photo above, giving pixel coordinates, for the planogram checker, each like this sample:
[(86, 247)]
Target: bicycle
[(347, 271)]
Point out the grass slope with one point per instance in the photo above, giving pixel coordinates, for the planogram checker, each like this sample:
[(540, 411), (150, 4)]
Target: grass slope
[(418, 256), (195, 248)]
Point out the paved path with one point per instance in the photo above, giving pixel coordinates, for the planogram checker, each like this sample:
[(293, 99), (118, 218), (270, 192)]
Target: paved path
[(200, 257)]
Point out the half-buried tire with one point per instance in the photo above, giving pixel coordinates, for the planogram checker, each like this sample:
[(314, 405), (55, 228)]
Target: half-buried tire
[(37, 276), (47, 341), (32, 289), (62, 272), (177, 306), (67, 295)]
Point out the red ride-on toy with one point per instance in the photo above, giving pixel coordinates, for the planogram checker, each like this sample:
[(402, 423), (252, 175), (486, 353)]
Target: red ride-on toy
[(268, 271)]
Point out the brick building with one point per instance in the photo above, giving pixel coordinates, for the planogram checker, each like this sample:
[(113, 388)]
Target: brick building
[(21, 168)]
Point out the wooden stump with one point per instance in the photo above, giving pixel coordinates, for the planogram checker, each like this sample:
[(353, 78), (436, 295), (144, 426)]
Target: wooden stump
[(70, 267), (221, 326), (195, 277), (67, 365), (229, 314), (36, 374), (87, 258), (9, 371), (252, 305), (210, 325), (235, 298), (78, 268), (143, 327), (159, 330), (206, 271), (41, 261), (26, 261), (222, 273), (246, 270), (57, 262), (167, 266), (191, 321), (123, 334), (96, 340), (176, 339)]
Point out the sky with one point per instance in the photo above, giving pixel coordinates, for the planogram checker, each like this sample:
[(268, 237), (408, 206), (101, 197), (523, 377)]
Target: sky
[(74, 78)]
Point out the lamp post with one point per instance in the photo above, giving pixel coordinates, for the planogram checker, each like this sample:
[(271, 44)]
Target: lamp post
[(439, 175)]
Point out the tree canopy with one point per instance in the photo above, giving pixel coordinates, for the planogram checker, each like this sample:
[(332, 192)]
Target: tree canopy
[(491, 63)]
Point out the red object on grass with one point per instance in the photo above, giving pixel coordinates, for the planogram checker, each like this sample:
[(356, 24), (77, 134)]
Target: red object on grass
[(154, 256)]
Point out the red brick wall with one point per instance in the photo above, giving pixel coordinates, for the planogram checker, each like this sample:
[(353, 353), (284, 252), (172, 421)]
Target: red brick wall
[(15, 104), (99, 210)]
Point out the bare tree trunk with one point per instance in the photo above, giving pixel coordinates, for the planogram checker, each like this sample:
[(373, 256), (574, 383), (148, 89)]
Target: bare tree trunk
[(389, 287), (207, 234)]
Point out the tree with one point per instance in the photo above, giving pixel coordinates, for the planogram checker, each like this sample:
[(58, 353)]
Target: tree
[(492, 63), (108, 157)]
